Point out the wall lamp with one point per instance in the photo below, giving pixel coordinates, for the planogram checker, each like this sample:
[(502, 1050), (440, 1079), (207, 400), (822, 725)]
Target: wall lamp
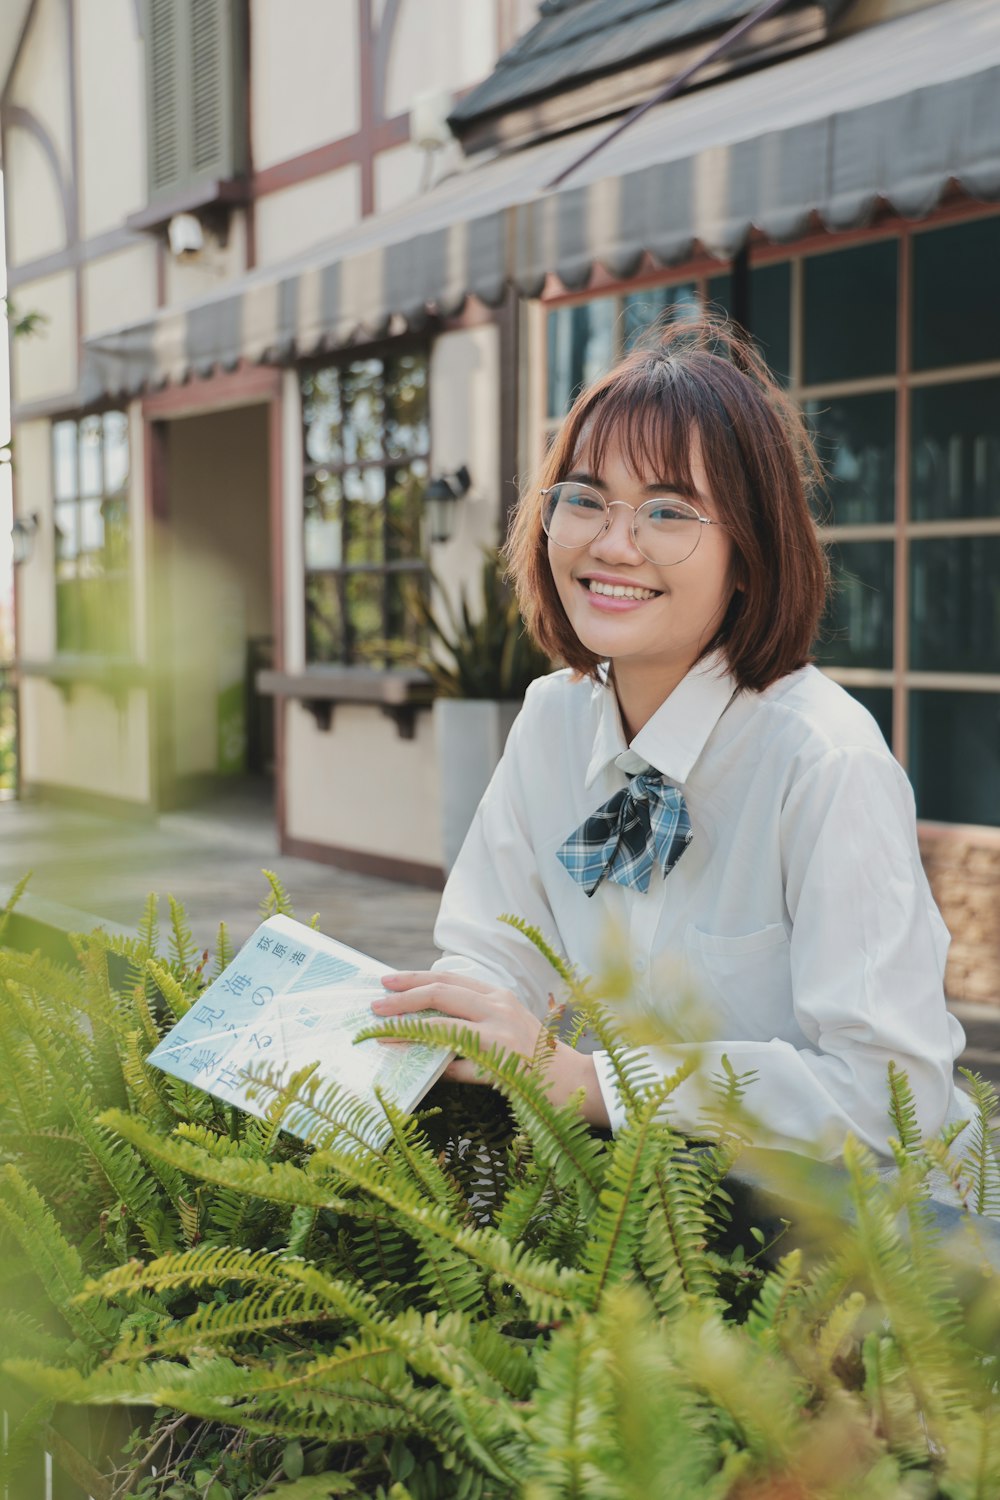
[(22, 538), (440, 497)]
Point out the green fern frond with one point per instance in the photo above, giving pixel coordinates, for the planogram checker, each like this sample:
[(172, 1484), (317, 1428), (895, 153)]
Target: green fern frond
[(776, 1301), (567, 973), (981, 1156), (224, 951), (903, 1111), (277, 902), (176, 998), (11, 902), (183, 949)]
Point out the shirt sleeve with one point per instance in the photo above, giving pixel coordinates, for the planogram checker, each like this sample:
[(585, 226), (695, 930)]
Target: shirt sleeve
[(496, 873), (867, 949)]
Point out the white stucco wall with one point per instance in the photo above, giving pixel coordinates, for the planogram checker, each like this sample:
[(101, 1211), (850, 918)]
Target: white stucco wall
[(305, 76), (110, 744), (438, 45), (45, 364), (36, 217), (309, 212), (41, 81), (465, 412), (358, 785), (111, 93), (119, 288)]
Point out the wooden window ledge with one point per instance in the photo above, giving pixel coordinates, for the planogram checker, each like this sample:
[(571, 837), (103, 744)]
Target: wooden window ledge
[(114, 675), (397, 691)]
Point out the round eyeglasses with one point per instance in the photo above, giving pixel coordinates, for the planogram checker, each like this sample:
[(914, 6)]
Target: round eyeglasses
[(665, 530)]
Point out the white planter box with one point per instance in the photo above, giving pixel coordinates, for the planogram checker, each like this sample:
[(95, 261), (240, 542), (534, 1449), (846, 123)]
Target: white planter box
[(470, 734)]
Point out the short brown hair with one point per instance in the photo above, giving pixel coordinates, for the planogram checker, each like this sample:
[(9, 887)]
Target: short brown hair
[(698, 376)]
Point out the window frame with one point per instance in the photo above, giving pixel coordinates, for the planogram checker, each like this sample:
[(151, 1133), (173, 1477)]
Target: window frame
[(901, 531), (417, 566), (126, 572)]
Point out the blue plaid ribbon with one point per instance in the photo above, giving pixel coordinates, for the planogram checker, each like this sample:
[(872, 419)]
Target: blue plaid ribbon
[(646, 823)]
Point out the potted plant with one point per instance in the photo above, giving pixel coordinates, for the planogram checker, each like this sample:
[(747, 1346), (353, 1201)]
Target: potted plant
[(481, 662)]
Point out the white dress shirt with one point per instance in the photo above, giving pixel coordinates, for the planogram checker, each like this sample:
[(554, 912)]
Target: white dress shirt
[(799, 917)]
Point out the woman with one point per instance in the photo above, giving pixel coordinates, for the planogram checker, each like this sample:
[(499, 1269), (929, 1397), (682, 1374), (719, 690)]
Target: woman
[(689, 781)]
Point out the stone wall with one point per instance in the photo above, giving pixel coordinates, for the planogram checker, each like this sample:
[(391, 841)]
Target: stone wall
[(963, 867)]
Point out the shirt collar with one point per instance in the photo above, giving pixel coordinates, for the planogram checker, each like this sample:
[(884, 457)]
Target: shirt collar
[(675, 736)]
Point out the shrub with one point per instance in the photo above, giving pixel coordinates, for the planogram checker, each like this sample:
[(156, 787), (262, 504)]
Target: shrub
[(501, 1302)]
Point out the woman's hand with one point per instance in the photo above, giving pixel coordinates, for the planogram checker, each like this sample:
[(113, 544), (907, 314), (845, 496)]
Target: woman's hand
[(499, 1019)]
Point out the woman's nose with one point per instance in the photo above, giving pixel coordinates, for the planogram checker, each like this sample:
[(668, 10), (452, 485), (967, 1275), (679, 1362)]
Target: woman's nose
[(616, 538)]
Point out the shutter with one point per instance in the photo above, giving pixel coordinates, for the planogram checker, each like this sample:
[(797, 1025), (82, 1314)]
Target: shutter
[(209, 91), (165, 84)]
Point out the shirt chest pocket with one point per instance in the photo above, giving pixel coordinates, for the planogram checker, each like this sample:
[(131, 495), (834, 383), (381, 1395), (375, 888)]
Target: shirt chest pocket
[(743, 982)]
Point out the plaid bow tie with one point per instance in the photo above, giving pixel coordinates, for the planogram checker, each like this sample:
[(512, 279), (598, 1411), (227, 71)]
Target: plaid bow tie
[(646, 823)]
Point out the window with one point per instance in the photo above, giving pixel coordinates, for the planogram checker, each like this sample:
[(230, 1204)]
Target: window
[(366, 439), (195, 91), (911, 509), (90, 464)]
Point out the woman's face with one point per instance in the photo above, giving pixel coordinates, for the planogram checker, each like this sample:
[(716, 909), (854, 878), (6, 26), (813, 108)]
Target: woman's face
[(682, 605)]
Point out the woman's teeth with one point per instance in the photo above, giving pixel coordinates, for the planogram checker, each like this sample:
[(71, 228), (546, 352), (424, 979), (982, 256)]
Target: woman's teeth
[(620, 590)]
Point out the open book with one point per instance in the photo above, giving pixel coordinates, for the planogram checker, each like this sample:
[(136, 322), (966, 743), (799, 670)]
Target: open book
[(289, 998)]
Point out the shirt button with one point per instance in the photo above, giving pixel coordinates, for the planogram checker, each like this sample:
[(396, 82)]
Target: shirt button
[(639, 965)]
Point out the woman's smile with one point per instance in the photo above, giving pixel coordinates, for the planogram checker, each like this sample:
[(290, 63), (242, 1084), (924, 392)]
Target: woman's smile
[(608, 592)]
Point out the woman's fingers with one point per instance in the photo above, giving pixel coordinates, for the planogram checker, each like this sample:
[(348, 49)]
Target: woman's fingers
[(462, 1005), (418, 977)]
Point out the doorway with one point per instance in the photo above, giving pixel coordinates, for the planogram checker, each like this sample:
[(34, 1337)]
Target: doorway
[(213, 615)]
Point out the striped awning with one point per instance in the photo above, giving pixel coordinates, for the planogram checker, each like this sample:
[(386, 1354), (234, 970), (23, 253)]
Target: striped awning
[(889, 115)]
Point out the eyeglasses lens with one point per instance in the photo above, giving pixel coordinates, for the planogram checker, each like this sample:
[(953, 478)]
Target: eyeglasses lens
[(666, 530)]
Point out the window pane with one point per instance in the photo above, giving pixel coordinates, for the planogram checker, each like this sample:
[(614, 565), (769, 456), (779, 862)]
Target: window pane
[(115, 451), (955, 450), (68, 634), (956, 311), (878, 702), (322, 523), (321, 416), (581, 345), (770, 311), (850, 313), (91, 526), (324, 622), (402, 620), (366, 630), (364, 491), (364, 416), (955, 756), (404, 512), (91, 460), (857, 627), (64, 460), (114, 514), (955, 604), (643, 309), (406, 430), (67, 532), (856, 439)]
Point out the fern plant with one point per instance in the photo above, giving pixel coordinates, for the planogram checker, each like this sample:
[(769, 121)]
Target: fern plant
[(500, 1302)]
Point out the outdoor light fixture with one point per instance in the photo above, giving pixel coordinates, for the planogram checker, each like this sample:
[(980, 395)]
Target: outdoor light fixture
[(439, 501), (22, 537)]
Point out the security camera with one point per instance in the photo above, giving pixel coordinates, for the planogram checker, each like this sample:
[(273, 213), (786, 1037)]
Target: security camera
[(185, 236)]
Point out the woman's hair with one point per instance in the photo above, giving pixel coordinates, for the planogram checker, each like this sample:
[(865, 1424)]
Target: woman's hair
[(697, 377)]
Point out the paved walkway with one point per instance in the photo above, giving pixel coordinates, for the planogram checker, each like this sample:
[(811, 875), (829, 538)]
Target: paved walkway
[(211, 860)]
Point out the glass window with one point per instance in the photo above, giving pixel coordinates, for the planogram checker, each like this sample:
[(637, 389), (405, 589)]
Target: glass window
[(955, 310), (770, 311), (366, 437), (955, 756), (857, 627), (955, 604), (856, 440), (90, 464), (581, 346), (642, 309), (849, 308), (955, 450)]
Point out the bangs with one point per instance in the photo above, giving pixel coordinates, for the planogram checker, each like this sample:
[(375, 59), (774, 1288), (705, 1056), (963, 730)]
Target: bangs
[(648, 413)]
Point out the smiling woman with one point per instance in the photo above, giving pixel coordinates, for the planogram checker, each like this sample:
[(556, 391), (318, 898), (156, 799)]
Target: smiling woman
[(691, 782)]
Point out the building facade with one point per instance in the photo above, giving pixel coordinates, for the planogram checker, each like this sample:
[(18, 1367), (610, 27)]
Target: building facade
[(278, 300)]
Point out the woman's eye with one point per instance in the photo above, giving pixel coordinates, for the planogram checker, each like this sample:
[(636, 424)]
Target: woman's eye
[(669, 510), (580, 500)]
